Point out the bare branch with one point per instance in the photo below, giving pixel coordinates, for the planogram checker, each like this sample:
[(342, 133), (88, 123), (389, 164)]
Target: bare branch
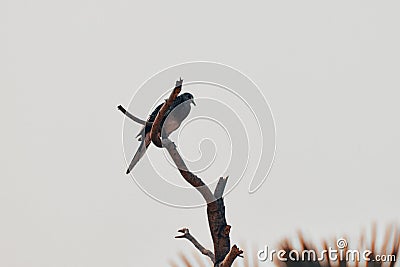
[(155, 132), (219, 189), (132, 117), (215, 206), (187, 175), (189, 237), (231, 256)]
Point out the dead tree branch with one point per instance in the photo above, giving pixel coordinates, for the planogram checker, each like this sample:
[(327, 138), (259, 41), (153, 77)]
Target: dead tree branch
[(232, 255), (155, 132), (219, 189), (187, 175), (224, 254), (189, 237)]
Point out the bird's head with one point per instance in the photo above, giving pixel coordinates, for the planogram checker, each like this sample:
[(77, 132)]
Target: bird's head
[(188, 97)]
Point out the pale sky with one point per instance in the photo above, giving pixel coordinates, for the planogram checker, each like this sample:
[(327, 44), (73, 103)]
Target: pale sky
[(329, 71)]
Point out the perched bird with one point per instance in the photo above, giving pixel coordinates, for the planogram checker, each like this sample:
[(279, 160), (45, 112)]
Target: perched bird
[(171, 121)]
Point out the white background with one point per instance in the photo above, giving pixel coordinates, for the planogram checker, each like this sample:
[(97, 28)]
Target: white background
[(330, 71)]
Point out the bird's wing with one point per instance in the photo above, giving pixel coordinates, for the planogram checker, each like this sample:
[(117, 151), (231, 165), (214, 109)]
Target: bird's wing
[(140, 152), (153, 115)]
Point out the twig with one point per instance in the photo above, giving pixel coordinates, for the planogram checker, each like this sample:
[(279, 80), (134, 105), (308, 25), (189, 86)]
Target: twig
[(189, 237), (219, 189), (155, 132), (231, 256)]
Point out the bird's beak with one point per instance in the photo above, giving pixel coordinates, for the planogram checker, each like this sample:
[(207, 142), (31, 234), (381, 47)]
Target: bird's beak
[(194, 103)]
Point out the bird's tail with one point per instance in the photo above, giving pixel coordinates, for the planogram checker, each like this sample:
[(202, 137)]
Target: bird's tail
[(140, 152)]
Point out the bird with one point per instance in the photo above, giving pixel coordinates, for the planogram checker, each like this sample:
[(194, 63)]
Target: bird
[(171, 121)]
